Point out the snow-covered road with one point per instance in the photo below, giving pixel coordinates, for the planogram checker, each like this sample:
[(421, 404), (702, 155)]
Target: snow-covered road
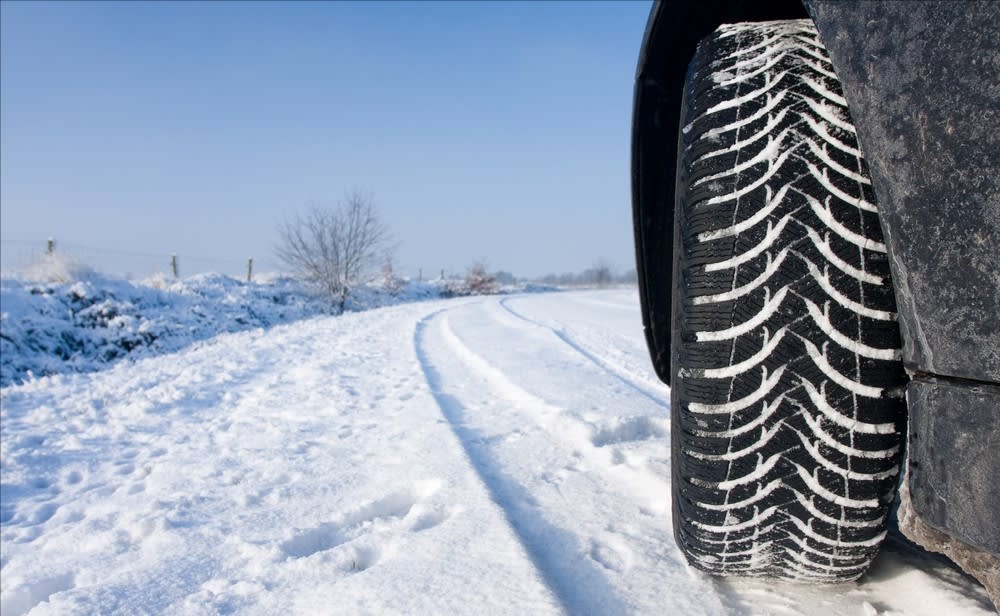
[(485, 455)]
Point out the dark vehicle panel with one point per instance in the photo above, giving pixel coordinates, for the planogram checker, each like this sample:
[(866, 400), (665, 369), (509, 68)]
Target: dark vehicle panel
[(923, 83)]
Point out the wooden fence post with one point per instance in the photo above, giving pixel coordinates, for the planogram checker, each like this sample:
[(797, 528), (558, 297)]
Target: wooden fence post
[(173, 264), (249, 269)]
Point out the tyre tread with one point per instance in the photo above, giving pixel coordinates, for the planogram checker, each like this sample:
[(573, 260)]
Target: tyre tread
[(788, 416)]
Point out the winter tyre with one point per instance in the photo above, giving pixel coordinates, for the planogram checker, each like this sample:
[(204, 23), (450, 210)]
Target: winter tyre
[(787, 382)]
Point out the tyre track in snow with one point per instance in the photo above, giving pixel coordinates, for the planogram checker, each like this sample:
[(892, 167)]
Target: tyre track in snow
[(615, 371), (590, 441), (580, 589), (581, 511)]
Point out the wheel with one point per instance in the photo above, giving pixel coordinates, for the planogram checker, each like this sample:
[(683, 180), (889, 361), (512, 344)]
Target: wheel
[(787, 385)]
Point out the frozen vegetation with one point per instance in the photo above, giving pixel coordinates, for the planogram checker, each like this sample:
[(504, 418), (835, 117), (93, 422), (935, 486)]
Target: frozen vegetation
[(63, 318)]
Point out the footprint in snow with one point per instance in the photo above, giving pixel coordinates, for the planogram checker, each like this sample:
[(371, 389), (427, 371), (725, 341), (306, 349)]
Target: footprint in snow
[(319, 539), (44, 513), (639, 428), (612, 553), (369, 526), (425, 518)]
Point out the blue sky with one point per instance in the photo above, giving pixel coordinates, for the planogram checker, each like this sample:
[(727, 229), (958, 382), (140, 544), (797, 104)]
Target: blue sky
[(495, 131)]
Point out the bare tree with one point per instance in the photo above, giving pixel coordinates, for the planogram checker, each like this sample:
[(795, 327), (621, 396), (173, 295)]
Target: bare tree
[(599, 274), (334, 249), (603, 275)]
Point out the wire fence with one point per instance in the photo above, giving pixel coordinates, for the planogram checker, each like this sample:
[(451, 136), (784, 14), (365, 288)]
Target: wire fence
[(27, 257), (24, 256)]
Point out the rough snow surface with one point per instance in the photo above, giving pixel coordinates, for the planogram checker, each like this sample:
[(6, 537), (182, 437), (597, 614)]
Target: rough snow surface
[(484, 455)]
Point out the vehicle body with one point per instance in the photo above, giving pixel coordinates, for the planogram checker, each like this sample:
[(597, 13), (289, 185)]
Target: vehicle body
[(922, 82)]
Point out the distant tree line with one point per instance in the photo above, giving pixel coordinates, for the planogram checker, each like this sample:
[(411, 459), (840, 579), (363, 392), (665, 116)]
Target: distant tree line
[(601, 274)]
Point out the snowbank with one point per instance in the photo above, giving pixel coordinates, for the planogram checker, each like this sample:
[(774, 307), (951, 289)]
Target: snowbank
[(84, 325), (67, 318)]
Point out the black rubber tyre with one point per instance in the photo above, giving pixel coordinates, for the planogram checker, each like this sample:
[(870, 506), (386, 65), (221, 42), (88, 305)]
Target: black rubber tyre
[(787, 388)]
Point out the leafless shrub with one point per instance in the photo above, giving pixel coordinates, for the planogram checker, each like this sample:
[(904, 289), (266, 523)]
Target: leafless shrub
[(334, 248)]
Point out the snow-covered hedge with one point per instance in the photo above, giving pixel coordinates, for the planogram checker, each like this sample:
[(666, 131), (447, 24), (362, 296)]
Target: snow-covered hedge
[(86, 324), (80, 321)]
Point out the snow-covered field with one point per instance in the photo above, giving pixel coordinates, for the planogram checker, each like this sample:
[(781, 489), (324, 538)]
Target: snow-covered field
[(477, 455)]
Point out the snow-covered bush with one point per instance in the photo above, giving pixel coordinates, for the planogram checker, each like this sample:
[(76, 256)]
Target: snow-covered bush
[(479, 281), (392, 283), (78, 325), (55, 267)]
